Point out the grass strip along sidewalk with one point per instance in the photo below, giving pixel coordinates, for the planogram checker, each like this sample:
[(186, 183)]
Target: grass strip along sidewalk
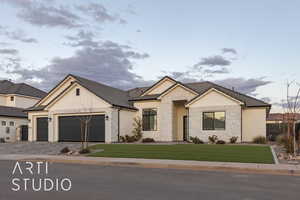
[(203, 152)]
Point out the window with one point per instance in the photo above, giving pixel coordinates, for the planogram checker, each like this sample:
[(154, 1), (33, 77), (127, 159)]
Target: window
[(12, 98), (3, 123), (11, 123), (149, 119), (77, 91), (7, 130), (214, 121)]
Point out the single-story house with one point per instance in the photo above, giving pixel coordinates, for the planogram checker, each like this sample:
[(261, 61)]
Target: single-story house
[(169, 110), (14, 98)]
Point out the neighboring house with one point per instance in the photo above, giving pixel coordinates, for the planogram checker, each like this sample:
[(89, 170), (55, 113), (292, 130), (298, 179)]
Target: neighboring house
[(277, 124), (170, 111), (14, 98)]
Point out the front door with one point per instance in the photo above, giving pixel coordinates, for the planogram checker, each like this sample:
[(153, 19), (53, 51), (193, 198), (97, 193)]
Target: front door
[(185, 127)]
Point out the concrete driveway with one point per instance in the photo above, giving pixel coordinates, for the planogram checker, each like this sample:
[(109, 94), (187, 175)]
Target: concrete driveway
[(42, 148)]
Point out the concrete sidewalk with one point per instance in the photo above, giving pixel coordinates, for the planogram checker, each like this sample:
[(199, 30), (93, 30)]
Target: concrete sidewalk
[(282, 169)]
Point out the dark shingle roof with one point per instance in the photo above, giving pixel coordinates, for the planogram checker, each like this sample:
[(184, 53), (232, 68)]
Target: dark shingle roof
[(8, 87), (112, 95), (200, 88), (12, 112)]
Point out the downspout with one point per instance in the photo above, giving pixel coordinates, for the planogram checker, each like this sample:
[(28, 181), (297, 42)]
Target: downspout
[(241, 124), (188, 125), (118, 125)]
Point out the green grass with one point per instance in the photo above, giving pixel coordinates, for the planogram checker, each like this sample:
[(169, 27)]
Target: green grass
[(200, 152)]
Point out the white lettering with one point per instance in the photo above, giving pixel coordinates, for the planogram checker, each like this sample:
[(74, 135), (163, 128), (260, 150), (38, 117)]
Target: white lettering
[(16, 184)]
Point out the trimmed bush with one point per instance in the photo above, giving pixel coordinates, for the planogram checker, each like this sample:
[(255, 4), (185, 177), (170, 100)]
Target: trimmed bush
[(65, 150), (84, 151), (260, 140), (148, 140), (233, 139), (221, 142), (196, 140), (213, 139)]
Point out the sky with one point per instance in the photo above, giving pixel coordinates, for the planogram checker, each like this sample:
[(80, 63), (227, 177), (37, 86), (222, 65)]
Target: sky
[(251, 46)]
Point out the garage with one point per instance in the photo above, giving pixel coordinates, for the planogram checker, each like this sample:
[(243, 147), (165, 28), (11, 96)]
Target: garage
[(70, 129), (42, 129)]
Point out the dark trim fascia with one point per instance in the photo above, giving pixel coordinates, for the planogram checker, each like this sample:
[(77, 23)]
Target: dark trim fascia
[(25, 117)]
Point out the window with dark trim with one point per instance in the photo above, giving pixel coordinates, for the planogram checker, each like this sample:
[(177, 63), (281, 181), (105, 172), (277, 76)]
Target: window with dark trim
[(11, 123), (214, 120), (12, 98), (149, 119), (3, 123), (77, 91)]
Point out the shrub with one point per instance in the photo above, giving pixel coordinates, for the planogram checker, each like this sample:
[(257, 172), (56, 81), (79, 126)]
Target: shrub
[(137, 128), (281, 139), (84, 151), (233, 139), (130, 138), (213, 139), (148, 140), (221, 142), (196, 140), (260, 140), (65, 150)]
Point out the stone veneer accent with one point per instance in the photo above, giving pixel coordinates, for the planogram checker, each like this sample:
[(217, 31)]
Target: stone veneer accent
[(232, 126)]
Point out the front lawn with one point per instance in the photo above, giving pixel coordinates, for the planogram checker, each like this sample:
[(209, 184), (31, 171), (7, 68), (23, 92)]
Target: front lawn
[(200, 152)]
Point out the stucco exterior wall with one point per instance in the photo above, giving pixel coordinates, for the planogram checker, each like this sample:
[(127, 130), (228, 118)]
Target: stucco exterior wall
[(164, 85), (2, 100), (25, 102), (254, 123), (10, 136), (126, 122)]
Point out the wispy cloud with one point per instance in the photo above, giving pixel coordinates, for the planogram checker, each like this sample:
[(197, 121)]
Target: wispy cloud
[(17, 35), (9, 51), (229, 50)]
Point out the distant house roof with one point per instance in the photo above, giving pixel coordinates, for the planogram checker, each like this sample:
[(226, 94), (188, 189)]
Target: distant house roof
[(12, 112), (8, 87), (281, 116)]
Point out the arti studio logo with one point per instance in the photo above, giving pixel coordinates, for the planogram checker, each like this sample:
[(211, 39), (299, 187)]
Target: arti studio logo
[(34, 176)]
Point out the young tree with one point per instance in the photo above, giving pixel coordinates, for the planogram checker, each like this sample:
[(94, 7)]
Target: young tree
[(291, 111)]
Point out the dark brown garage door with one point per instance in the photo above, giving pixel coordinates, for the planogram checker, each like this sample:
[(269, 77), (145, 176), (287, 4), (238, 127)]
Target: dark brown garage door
[(42, 129), (70, 130)]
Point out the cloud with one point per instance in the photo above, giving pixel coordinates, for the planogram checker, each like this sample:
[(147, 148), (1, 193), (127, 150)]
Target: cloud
[(17, 35), (109, 63), (222, 70), (212, 61), (82, 39), (9, 51), (229, 50), (247, 86), (99, 13), (45, 14), (266, 99)]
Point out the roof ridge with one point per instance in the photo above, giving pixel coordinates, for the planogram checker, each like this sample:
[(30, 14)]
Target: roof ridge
[(98, 83)]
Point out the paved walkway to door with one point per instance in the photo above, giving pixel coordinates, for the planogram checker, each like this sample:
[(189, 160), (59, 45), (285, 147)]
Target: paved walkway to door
[(44, 148)]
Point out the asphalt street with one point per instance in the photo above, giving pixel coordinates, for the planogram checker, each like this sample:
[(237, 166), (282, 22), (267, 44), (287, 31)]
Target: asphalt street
[(106, 182)]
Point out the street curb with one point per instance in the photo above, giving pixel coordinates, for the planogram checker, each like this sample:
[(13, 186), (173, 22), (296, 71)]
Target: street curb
[(228, 168), (274, 155)]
